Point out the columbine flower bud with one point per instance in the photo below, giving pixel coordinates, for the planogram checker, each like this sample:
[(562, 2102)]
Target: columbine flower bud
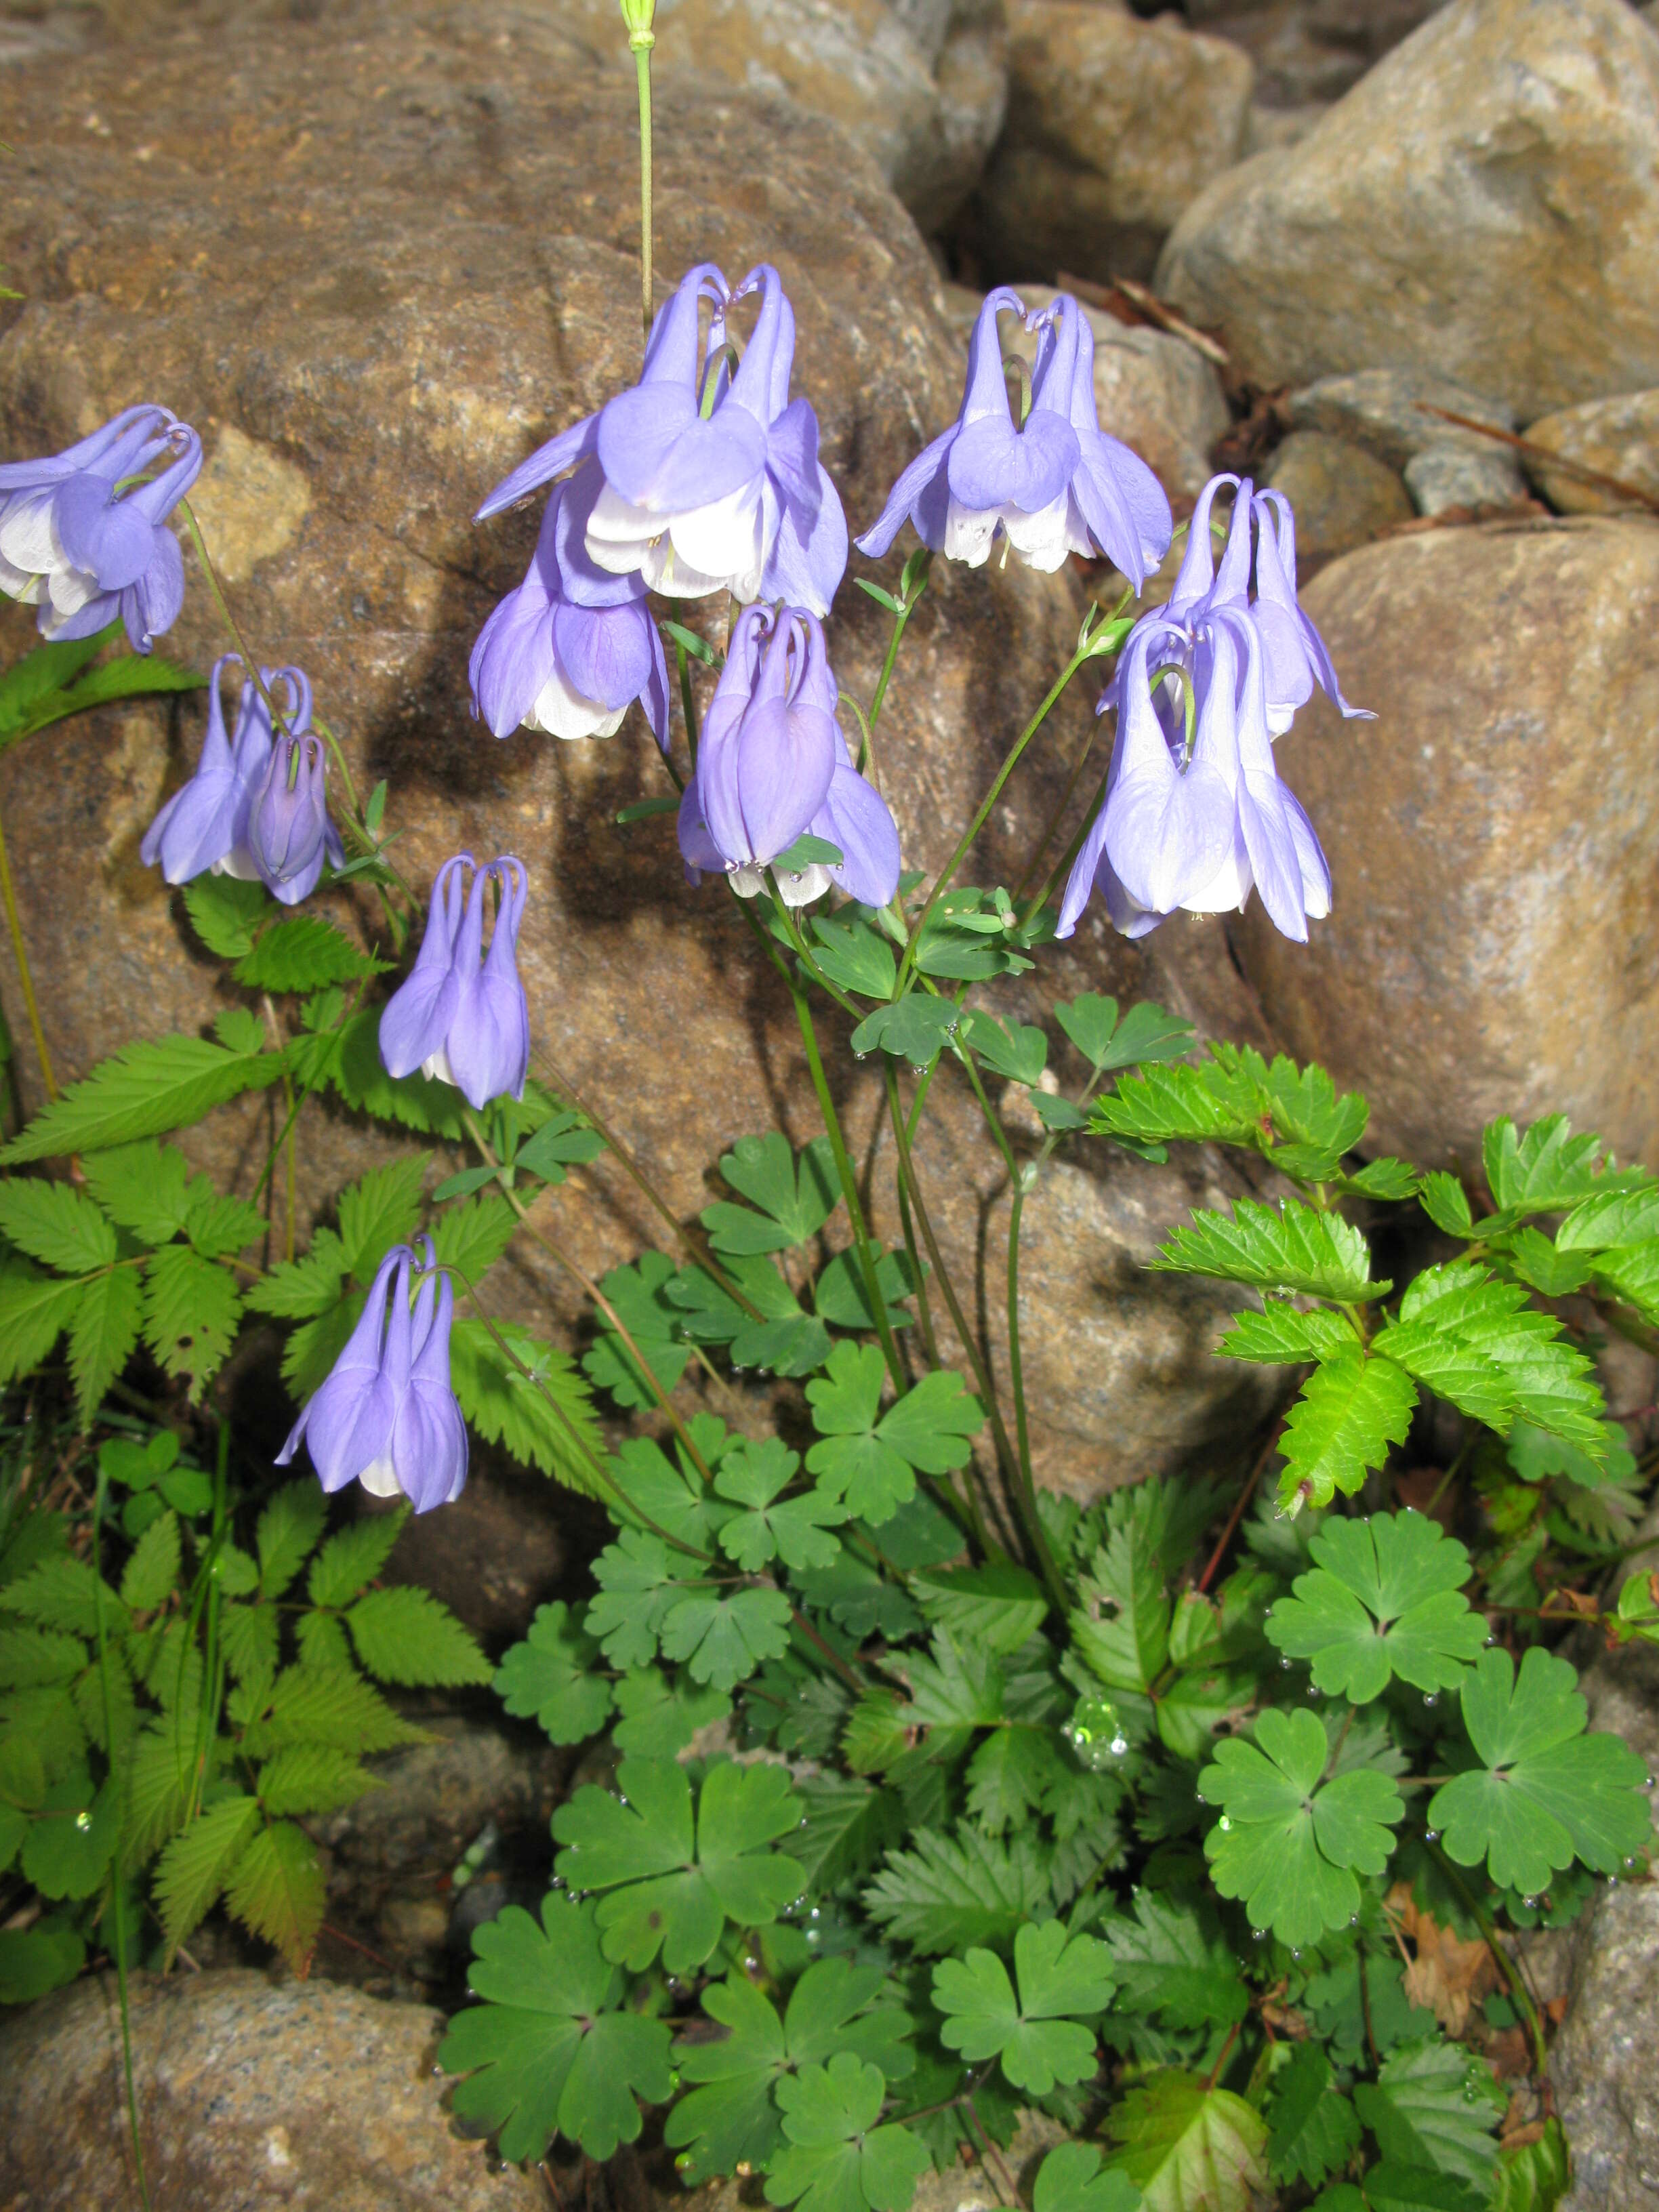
[(772, 766), (1195, 815), (288, 831), (570, 650), (712, 480), (1051, 485), (385, 1416), (459, 1017), (84, 552), (205, 826), (638, 16)]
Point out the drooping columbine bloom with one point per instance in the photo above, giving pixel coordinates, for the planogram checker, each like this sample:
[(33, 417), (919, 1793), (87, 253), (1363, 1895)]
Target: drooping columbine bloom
[(385, 1416), (772, 766), (460, 1016), (1051, 485), (84, 548), (209, 824), (712, 477), (574, 646)]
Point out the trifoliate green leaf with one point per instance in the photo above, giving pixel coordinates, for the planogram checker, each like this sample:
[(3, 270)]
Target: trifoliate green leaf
[(637, 1293), (1172, 1963), (1287, 1845), (1186, 2146), (1435, 2104), (1385, 1600), (549, 2052), (1037, 2036), (837, 2157), (1292, 1249), (636, 1587), (1351, 1409), (851, 954), (1070, 2179), (659, 1719), (722, 1640), (869, 1462), (943, 1892), (789, 1201), (754, 1476), (669, 1889), (552, 1678), (668, 1493), (1545, 1791), (1144, 1035), (1315, 2129), (404, 1635)]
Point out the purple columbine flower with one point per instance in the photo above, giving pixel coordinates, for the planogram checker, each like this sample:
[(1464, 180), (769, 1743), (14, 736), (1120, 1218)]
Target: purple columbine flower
[(570, 650), (712, 476), (83, 549), (207, 825), (385, 1416), (461, 1015), (772, 766), (1051, 485), (288, 831)]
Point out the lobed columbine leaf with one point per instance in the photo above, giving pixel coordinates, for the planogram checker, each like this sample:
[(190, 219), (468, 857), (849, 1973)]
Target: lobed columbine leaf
[(549, 2052), (1288, 1844), (1385, 1600), (1070, 2180), (1144, 1035), (550, 1678), (789, 1201), (869, 1459), (754, 1476), (1037, 2037), (1545, 1791), (670, 1888), (837, 2157)]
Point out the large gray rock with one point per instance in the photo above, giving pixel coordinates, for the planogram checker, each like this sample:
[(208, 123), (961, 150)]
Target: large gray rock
[(1619, 438), (1494, 943), (252, 2093), (1400, 416), (1484, 204), (1605, 2065), (1342, 495), (1114, 126), (1308, 50)]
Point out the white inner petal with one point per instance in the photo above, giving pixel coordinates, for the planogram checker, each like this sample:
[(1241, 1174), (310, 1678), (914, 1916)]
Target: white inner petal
[(70, 589), (436, 1069), (1046, 537), (1228, 889), (379, 1479), (727, 539), (619, 535), (21, 583), (238, 862), (968, 532), (28, 539), (562, 712)]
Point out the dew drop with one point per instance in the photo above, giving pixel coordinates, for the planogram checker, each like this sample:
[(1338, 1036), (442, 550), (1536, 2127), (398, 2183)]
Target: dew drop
[(1531, 1903), (1431, 1697), (860, 1055), (1296, 1954), (1491, 1640), (1258, 1935), (1629, 1862), (1201, 1798), (83, 1823), (1285, 1664), (1612, 1881), (1119, 1744), (1354, 1920), (1225, 1824), (1432, 1835)]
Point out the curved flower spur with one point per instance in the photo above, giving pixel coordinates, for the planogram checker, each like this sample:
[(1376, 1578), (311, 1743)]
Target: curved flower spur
[(1051, 484), (386, 1415), (773, 767), (83, 534), (461, 1015), (712, 480)]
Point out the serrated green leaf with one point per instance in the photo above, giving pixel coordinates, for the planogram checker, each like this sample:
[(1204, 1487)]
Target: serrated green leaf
[(1477, 1341), (194, 1866), (1351, 1409), (1285, 1845), (55, 1224), (1545, 1791), (1037, 2037), (837, 2158), (1187, 2147), (350, 1560), (62, 1592), (1316, 2130), (313, 1778), (300, 1290), (1443, 1198), (29, 1656), (34, 1311), (548, 2052), (943, 1892), (381, 1209), (152, 1573), (998, 1608), (849, 1824), (1171, 1963), (225, 911), (1627, 1215), (413, 1100), (1388, 1179), (1547, 1169), (1122, 1626), (220, 1227), (192, 1308), (287, 1534), (1294, 1249), (1282, 1334), (404, 1635), (552, 1678), (276, 1889), (663, 1892), (103, 1335), (303, 953), (1215, 1103), (549, 1423), (1435, 2105), (471, 1237), (314, 1705), (1385, 1599), (144, 1090)]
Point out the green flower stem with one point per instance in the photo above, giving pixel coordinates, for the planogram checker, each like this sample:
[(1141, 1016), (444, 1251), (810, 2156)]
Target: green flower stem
[(590, 1289), (687, 701), (899, 622), (1016, 751), (20, 952), (641, 42), (1513, 1981), (849, 1188), (118, 1886)]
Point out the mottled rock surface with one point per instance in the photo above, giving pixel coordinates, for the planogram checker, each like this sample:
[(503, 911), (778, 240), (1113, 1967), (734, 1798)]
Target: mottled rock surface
[(1443, 478), (1342, 495), (1618, 437), (251, 2093), (1114, 126), (1494, 945), (1605, 2065), (1396, 413), (1484, 204), (1308, 49)]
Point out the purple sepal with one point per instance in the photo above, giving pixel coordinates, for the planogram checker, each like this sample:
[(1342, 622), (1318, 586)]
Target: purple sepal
[(415, 1019), (288, 831), (461, 1015), (207, 823)]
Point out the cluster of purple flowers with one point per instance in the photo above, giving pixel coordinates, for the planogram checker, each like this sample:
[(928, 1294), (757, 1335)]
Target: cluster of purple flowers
[(82, 532), (1195, 815), (460, 1016), (258, 805)]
